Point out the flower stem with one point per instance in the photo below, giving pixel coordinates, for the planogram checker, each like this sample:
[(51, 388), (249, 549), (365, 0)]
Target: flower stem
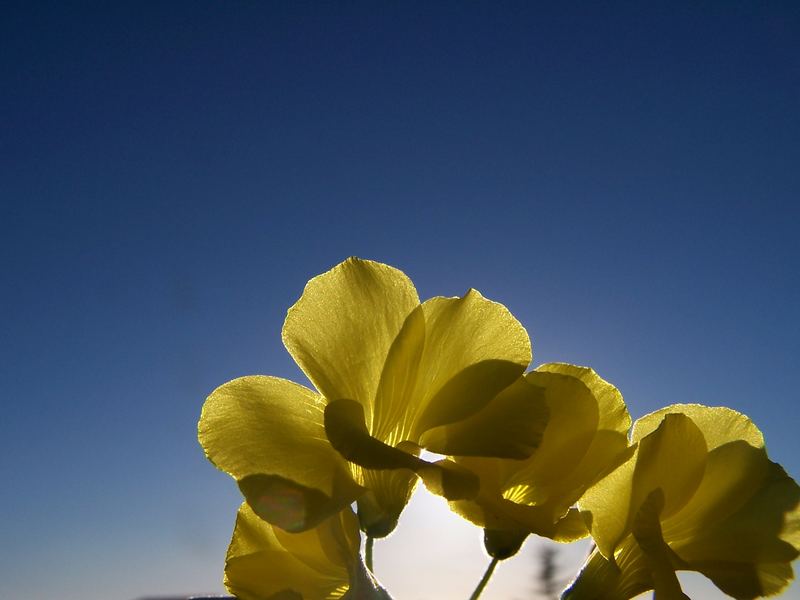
[(368, 551), (484, 580)]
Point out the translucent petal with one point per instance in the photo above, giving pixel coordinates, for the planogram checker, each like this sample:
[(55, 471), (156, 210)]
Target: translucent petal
[(388, 493), (494, 512), (746, 550), (449, 480), (345, 427), (606, 506), (268, 433), (747, 580), (612, 412), (335, 542), (394, 399), (474, 348), (586, 435), (510, 426), (341, 328), (734, 473), (719, 424), (602, 579), (347, 431), (739, 524), (671, 458), (263, 562), (659, 557), (535, 495)]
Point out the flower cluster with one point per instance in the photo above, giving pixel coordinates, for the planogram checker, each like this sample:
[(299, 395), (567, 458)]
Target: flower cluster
[(549, 452)]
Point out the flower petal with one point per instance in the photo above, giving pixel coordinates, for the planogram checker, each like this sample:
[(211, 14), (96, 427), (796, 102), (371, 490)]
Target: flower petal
[(601, 579), (536, 495), (742, 528), (449, 480), (510, 426), (659, 557), (508, 523), (395, 396), (585, 437), (334, 543), (474, 348), (494, 513), (748, 580), (265, 563), (347, 431), (719, 424), (739, 524), (671, 458), (611, 410), (606, 506), (388, 492), (268, 433), (341, 328)]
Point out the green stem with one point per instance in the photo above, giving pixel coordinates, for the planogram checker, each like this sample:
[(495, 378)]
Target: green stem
[(484, 580), (368, 551)]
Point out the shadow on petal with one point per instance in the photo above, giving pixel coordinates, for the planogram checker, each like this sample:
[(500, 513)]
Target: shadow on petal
[(289, 505)]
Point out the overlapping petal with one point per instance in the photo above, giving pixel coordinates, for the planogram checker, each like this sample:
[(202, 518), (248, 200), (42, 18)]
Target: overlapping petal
[(714, 504), (421, 375), (672, 458), (266, 563), (269, 434), (474, 348), (394, 376), (452, 356), (512, 425), (585, 437), (376, 464)]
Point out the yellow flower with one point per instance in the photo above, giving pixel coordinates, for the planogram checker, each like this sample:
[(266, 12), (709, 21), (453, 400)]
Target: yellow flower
[(698, 493), (586, 436), (393, 376), (266, 563)]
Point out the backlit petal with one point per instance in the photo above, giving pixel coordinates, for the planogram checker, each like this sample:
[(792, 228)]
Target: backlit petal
[(395, 396), (601, 579), (719, 424), (510, 426), (268, 433), (748, 531), (341, 328), (388, 492), (266, 563), (536, 495), (347, 432), (661, 560), (473, 349), (606, 507), (585, 437), (731, 514), (263, 562), (671, 458)]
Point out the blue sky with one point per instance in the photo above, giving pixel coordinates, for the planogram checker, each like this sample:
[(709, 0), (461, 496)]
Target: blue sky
[(624, 178)]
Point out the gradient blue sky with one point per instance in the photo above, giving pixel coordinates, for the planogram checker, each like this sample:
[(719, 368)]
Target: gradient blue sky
[(624, 178)]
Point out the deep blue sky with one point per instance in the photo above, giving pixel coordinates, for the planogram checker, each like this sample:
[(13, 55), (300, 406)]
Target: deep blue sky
[(624, 178)]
